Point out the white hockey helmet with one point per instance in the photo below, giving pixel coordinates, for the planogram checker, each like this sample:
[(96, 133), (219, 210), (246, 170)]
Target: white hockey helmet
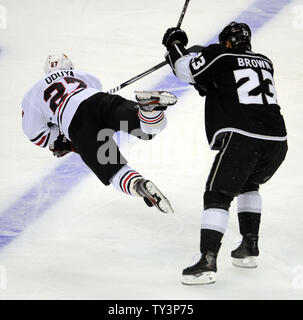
[(57, 62)]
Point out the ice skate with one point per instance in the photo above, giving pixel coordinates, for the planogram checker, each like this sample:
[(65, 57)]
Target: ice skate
[(203, 272), (155, 100), (245, 255), (152, 195)]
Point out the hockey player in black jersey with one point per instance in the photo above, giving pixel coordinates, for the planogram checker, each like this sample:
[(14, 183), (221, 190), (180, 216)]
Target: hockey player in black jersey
[(242, 121)]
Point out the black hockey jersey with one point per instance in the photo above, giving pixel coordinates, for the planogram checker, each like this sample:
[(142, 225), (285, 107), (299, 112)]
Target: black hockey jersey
[(239, 89)]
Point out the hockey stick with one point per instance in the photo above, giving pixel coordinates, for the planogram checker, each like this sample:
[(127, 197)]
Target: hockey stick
[(183, 13), (195, 48), (158, 66)]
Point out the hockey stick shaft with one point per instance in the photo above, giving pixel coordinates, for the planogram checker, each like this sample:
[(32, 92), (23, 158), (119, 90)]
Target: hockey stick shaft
[(183, 13), (139, 76), (158, 66), (195, 48)]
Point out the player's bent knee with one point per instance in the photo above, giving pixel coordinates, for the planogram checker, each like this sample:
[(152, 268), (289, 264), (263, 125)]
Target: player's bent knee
[(215, 199), (249, 186)]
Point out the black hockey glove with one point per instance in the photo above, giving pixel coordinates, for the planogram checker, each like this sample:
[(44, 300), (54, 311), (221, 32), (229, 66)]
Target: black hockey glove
[(173, 34), (61, 146)]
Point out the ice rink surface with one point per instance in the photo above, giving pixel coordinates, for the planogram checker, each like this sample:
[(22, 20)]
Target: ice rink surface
[(64, 235)]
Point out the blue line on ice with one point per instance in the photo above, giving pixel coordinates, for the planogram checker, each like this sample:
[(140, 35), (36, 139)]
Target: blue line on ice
[(60, 181)]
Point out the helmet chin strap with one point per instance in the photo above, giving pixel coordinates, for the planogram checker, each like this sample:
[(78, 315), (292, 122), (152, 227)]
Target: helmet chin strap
[(228, 45)]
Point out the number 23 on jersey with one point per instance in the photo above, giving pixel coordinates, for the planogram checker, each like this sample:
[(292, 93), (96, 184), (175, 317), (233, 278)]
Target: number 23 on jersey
[(252, 81)]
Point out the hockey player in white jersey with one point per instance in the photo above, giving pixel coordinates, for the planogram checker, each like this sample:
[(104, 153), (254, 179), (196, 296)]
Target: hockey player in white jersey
[(68, 112)]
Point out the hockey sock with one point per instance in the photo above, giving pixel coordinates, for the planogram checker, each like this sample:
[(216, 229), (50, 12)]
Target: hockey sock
[(124, 180), (249, 212), (249, 222), (152, 122), (213, 226), (210, 240)]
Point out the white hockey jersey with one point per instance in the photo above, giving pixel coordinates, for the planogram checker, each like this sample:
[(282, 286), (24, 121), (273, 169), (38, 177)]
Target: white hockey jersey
[(49, 106)]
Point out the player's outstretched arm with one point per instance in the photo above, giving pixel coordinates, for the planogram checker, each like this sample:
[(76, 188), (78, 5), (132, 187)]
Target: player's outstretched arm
[(177, 56), (182, 62), (175, 41)]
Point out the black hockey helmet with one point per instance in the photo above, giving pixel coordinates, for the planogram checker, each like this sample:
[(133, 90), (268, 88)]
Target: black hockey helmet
[(236, 33)]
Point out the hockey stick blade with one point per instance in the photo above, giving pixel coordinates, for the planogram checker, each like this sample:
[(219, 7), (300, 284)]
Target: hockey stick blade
[(195, 48)]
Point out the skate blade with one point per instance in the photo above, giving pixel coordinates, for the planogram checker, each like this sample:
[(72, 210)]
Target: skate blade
[(164, 97), (158, 199), (247, 262), (205, 278)]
